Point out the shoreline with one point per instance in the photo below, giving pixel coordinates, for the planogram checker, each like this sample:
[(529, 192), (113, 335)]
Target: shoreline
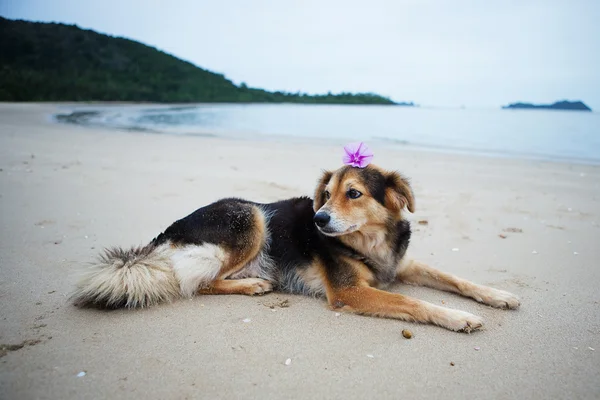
[(66, 192)]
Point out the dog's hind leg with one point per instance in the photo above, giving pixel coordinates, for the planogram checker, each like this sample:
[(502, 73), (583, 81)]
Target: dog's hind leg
[(248, 286), (228, 239), (417, 273), (197, 266)]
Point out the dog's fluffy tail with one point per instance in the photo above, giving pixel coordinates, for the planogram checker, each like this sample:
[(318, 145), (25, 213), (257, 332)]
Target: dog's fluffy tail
[(135, 277)]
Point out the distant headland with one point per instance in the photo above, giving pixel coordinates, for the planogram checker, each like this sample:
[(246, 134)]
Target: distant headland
[(559, 105), (58, 62)]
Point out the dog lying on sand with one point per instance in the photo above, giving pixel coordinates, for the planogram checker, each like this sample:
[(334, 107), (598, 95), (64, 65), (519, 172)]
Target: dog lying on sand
[(346, 244)]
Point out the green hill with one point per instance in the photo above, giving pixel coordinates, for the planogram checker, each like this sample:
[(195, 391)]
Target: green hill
[(58, 62)]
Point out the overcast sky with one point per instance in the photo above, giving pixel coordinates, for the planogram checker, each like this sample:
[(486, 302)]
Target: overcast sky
[(476, 53)]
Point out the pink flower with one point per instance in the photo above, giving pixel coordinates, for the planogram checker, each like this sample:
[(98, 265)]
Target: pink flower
[(357, 155)]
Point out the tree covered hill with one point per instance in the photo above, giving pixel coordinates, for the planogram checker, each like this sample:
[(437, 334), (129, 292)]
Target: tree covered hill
[(58, 62)]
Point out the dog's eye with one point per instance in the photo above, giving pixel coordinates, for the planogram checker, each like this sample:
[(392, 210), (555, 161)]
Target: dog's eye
[(353, 194), (327, 195)]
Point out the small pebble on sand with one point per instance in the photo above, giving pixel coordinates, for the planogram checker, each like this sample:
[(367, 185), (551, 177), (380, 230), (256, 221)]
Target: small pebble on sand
[(288, 362)]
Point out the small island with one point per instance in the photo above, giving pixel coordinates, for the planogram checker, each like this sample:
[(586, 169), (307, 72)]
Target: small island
[(559, 105)]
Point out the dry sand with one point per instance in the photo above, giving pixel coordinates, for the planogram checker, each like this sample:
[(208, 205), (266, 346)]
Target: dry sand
[(67, 191)]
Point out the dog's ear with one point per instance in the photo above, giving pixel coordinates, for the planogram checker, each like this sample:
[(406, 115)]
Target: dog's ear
[(319, 195), (398, 193)]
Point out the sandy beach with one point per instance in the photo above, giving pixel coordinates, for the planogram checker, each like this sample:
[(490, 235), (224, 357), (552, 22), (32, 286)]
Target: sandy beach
[(529, 227)]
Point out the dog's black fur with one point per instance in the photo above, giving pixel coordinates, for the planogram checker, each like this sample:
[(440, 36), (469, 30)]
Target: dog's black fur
[(295, 241)]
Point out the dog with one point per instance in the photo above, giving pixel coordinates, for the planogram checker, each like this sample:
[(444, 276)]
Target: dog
[(346, 245)]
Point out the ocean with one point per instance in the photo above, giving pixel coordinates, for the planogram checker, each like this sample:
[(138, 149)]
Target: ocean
[(529, 134)]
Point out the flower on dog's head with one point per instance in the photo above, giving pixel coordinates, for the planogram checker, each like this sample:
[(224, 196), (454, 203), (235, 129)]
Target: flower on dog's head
[(357, 155)]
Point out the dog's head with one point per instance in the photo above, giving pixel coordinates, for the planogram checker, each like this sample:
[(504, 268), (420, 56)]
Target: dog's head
[(354, 199)]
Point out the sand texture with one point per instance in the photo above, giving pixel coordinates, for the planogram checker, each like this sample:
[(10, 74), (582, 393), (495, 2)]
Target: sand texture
[(529, 227)]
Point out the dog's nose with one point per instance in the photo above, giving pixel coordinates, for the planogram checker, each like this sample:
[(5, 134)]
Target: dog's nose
[(321, 219)]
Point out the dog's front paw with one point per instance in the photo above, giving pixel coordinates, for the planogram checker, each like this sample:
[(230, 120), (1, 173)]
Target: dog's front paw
[(498, 298), (460, 321)]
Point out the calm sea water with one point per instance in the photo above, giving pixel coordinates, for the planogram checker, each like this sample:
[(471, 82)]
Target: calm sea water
[(554, 135)]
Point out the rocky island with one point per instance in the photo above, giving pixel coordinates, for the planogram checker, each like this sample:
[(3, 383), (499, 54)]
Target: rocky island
[(559, 105)]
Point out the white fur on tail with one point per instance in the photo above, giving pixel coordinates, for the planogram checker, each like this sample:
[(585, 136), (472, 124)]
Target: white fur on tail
[(136, 277)]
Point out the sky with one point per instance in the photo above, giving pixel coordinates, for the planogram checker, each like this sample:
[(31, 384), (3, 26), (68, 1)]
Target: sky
[(474, 53)]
